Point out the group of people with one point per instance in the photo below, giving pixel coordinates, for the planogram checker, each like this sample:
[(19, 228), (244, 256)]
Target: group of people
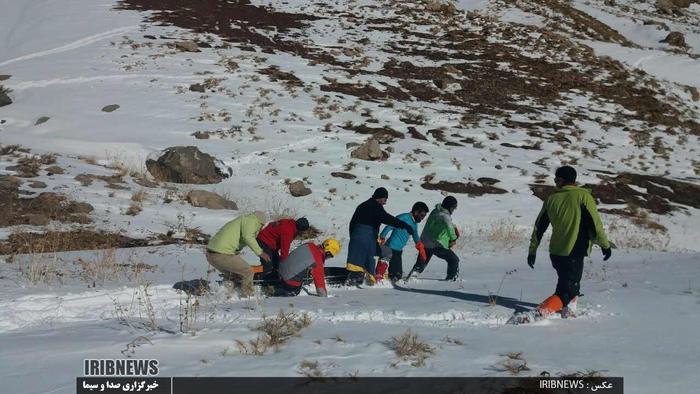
[(374, 256)]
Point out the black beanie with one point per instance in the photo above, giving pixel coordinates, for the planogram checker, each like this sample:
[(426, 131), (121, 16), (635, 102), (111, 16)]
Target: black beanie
[(567, 173), (380, 193), (449, 202), (302, 224)]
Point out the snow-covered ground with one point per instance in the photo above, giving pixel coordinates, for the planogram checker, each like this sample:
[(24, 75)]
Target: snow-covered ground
[(67, 59)]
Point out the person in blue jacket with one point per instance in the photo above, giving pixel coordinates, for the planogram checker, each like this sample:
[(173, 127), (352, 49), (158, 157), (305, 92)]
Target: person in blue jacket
[(392, 247)]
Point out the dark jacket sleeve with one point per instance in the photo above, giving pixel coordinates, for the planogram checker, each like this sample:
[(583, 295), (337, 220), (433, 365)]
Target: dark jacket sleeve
[(392, 221), (541, 225)]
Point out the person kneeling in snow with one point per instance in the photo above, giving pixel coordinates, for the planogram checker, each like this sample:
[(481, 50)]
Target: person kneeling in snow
[(576, 225), (439, 236), (392, 248), (276, 238), (295, 268), (364, 233), (225, 246)]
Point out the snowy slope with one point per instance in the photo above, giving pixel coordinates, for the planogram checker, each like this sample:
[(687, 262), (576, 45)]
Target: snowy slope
[(67, 59)]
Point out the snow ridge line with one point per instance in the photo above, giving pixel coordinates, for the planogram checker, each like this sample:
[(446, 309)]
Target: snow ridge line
[(73, 45)]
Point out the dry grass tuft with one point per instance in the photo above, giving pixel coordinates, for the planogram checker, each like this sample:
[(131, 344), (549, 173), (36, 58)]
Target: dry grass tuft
[(310, 369), (409, 347), (513, 364), (139, 196), (133, 210), (275, 331), (103, 267), (37, 270)]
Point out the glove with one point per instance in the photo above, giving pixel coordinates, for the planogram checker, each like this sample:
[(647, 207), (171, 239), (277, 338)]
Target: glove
[(531, 260), (322, 292), (421, 251), (607, 252)]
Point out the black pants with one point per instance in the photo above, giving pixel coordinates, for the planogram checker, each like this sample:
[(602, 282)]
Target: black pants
[(569, 271), (396, 265), (443, 253), (274, 263), (276, 287)]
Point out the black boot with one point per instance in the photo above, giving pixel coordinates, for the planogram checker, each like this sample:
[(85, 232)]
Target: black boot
[(395, 276), (355, 278), (419, 267), (452, 274)]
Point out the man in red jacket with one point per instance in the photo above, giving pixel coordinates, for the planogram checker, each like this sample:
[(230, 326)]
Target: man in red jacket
[(276, 238)]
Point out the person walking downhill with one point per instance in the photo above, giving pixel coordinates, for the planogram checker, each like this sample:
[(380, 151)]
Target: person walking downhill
[(364, 233), (392, 248), (225, 246), (576, 225), (439, 236)]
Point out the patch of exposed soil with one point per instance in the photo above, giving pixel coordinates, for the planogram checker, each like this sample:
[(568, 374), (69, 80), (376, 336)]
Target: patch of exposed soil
[(416, 134), (344, 175), (582, 24), (382, 134), (236, 21), (63, 241), (39, 210), (367, 92), (276, 74), (471, 188)]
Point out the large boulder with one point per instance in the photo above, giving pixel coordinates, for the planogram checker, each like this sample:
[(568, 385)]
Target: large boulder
[(298, 189), (370, 150), (211, 200), (185, 164)]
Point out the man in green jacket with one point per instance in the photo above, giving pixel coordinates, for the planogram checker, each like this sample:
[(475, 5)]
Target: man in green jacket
[(439, 236), (224, 248), (576, 225)]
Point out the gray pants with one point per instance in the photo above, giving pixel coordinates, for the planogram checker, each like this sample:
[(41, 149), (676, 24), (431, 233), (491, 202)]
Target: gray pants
[(233, 267)]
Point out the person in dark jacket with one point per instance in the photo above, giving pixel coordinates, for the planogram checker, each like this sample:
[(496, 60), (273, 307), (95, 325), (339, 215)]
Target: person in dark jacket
[(276, 239), (364, 233), (295, 268), (576, 226)]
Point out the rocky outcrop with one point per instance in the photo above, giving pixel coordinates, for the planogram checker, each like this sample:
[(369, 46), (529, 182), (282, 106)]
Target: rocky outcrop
[(185, 164), (211, 200)]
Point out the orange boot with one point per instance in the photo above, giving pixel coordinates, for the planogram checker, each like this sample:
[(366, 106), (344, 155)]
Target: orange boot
[(551, 305)]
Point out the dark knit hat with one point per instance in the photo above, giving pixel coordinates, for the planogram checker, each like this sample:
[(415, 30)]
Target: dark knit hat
[(567, 173), (380, 193), (420, 206), (449, 202), (302, 224)]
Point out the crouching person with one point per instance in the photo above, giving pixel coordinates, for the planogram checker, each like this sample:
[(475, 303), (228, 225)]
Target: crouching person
[(225, 246), (295, 268)]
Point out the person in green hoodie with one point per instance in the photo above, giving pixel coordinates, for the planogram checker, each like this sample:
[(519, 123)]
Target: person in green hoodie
[(224, 248), (439, 236), (576, 225)]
